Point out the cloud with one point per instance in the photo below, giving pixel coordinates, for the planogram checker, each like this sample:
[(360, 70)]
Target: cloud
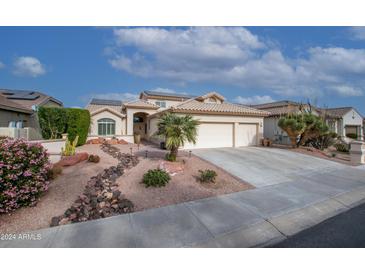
[(235, 56), (253, 100), (123, 96), (167, 90), (28, 66), (358, 33), (1, 65), (347, 91)]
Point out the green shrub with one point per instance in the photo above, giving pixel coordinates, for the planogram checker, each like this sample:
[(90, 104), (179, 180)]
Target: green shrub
[(207, 176), (342, 147), (351, 135), (78, 123), (156, 178), (170, 157), (52, 121)]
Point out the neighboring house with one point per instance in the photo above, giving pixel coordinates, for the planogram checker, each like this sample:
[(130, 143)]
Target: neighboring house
[(340, 120), (276, 111), (222, 124), (18, 112)]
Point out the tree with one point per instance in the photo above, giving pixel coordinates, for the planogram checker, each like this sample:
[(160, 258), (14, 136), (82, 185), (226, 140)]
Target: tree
[(52, 121), (302, 127), (177, 130)]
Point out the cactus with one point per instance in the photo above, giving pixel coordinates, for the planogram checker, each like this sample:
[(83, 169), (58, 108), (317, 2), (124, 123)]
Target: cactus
[(70, 148)]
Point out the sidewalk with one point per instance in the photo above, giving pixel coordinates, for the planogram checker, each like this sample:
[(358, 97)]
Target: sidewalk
[(252, 218)]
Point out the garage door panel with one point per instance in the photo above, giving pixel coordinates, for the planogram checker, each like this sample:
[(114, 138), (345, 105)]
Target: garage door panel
[(246, 135), (211, 135)]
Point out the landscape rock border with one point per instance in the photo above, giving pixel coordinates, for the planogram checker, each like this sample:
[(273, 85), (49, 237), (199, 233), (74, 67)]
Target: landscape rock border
[(101, 197)]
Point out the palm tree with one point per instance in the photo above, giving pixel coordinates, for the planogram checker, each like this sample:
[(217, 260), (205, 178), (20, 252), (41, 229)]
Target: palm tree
[(177, 130)]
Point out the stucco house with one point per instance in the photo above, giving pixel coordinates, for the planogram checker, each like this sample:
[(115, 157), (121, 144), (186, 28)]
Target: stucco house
[(342, 120), (18, 116), (221, 124)]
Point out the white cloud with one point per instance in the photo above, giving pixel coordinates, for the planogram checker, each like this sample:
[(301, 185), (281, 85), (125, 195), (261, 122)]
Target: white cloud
[(168, 90), (253, 100), (123, 96), (235, 56), (28, 66), (1, 65), (347, 91), (358, 33)]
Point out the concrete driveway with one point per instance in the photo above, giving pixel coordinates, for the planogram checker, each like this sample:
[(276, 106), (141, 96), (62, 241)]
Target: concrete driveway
[(268, 166)]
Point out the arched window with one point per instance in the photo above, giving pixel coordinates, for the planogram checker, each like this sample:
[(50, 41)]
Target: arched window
[(106, 126)]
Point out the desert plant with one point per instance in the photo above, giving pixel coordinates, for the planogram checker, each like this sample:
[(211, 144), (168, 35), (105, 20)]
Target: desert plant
[(177, 130), (207, 176), (156, 178), (322, 141), (70, 148), (342, 147), (351, 135), (93, 158), (23, 173), (54, 172)]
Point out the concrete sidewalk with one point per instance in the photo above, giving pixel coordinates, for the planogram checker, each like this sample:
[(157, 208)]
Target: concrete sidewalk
[(252, 218)]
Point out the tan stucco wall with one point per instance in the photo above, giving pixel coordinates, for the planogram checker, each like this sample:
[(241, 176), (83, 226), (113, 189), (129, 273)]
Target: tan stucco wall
[(119, 123), (169, 103), (130, 112)]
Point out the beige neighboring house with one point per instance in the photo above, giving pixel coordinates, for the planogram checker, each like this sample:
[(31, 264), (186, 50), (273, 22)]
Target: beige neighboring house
[(340, 120), (18, 116), (221, 124)]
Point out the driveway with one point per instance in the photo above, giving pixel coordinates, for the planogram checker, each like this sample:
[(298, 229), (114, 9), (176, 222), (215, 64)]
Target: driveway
[(268, 166)]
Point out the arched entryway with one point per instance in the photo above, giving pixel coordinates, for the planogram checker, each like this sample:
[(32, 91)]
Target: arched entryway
[(140, 124)]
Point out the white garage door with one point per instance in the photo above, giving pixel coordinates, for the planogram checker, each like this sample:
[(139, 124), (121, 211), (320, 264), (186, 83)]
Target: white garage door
[(246, 135), (211, 135)]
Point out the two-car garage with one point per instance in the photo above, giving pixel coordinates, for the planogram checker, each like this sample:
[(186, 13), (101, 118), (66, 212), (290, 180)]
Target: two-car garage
[(214, 135)]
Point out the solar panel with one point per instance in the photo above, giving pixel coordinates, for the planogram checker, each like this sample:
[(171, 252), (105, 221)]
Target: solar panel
[(106, 102)]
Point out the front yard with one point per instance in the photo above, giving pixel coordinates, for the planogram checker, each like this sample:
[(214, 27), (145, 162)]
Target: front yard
[(64, 191)]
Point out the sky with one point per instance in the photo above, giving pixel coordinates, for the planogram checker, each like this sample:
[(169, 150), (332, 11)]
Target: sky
[(248, 65)]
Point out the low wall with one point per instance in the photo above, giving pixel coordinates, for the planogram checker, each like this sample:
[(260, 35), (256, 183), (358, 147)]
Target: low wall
[(53, 148), (127, 138), (357, 153), (27, 133)]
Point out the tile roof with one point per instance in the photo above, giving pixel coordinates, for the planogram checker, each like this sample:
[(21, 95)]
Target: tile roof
[(141, 104), (10, 105), (27, 98), (336, 112), (280, 108), (167, 94), (223, 108), (275, 104)]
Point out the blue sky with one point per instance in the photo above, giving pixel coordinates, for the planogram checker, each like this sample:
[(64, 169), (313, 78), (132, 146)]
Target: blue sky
[(247, 65)]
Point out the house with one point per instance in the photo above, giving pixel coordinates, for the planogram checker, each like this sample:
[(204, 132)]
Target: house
[(276, 111), (221, 124), (343, 121), (18, 116)]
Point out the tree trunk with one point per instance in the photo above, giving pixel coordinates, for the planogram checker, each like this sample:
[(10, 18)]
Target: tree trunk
[(173, 153)]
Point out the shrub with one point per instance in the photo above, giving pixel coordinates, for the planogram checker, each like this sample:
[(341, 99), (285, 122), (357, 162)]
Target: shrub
[(23, 173), (351, 135), (322, 141), (170, 157), (56, 121), (70, 148), (342, 147), (207, 176), (156, 178), (54, 172), (78, 123), (53, 122), (93, 158)]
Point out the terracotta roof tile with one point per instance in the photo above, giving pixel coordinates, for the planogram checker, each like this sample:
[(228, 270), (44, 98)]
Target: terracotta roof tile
[(141, 104)]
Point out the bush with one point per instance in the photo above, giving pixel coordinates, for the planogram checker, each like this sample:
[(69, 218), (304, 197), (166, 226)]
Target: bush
[(54, 172), (53, 122), (351, 135), (322, 141), (56, 121), (156, 178), (93, 158), (207, 176), (170, 157), (78, 123), (24, 171), (342, 147)]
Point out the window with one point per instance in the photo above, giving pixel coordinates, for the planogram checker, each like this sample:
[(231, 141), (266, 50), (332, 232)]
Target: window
[(161, 104), (12, 124), (106, 126), (137, 119)]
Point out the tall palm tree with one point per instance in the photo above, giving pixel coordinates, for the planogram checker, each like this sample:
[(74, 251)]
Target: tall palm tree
[(177, 130)]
